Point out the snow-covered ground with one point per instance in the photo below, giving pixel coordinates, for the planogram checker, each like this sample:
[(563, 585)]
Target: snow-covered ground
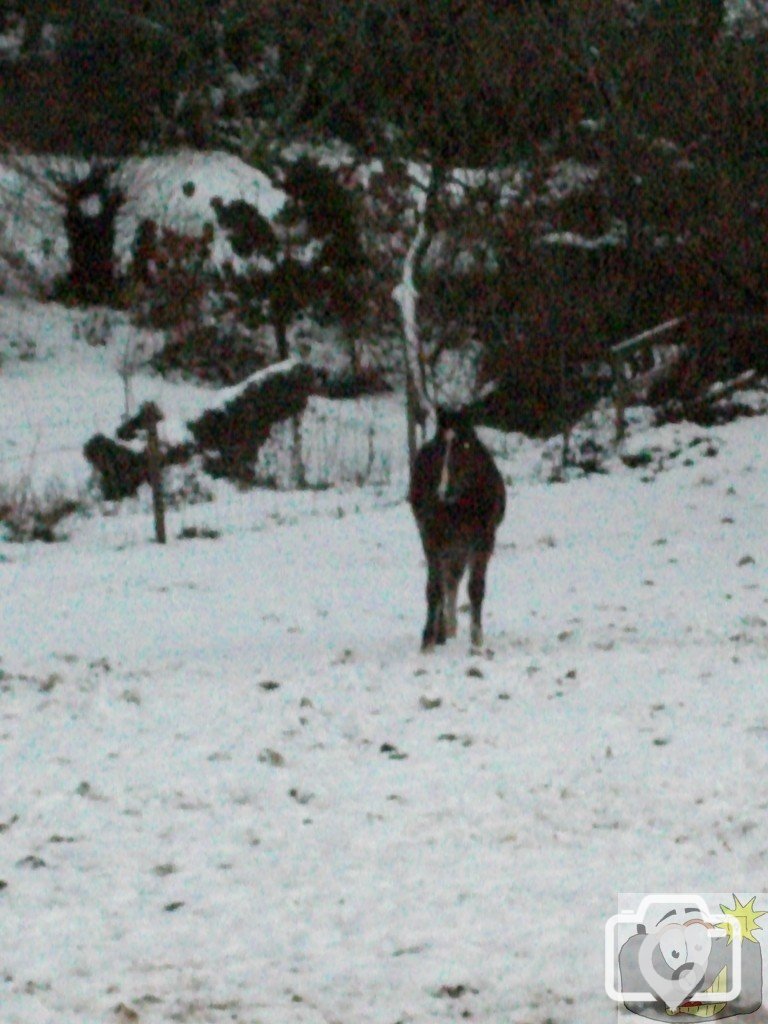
[(232, 789)]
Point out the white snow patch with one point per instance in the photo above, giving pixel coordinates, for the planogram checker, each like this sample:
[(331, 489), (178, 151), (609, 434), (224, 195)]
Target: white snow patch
[(235, 791)]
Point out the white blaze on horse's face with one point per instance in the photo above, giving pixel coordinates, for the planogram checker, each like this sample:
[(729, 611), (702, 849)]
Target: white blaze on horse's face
[(442, 490)]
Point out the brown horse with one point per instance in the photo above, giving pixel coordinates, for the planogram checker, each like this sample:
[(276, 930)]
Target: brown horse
[(458, 498)]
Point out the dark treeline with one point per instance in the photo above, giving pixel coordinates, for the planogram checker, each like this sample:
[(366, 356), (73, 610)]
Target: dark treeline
[(466, 81), (666, 103)]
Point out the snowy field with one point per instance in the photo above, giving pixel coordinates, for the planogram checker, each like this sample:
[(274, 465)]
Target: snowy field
[(234, 790)]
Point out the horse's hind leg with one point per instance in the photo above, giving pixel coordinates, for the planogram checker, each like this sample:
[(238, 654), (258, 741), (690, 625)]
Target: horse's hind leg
[(434, 629), (478, 564), (453, 570)]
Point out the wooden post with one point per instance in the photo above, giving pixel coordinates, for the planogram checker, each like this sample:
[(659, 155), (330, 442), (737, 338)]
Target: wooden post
[(298, 471), (564, 410), (147, 418), (154, 471), (619, 355), (620, 398)]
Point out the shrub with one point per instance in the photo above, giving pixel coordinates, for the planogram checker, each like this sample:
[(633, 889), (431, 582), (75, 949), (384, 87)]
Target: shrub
[(26, 515), (173, 287), (169, 278)]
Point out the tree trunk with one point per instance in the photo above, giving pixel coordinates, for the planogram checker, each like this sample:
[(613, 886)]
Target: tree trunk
[(414, 419), (91, 207), (34, 23), (281, 339), (405, 294)]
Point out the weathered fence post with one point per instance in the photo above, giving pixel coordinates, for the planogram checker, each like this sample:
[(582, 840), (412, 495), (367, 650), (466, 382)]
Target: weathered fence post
[(619, 354), (619, 396), (298, 470), (147, 418), (154, 469)]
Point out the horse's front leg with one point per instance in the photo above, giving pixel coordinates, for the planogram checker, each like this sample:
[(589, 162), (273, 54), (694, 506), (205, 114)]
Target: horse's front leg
[(453, 570), (478, 565), (434, 629)]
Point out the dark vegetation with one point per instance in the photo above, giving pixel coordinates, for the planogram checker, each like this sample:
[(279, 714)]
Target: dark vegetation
[(25, 516), (665, 104), (228, 437)]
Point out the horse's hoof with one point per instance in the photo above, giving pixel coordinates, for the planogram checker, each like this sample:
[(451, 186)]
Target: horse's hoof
[(427, 646)]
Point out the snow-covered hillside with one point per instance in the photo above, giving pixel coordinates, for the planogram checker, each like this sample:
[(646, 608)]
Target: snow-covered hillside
[(233, 789)]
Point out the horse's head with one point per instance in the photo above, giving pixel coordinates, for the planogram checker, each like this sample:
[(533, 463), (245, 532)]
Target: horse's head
[(460, 454)]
